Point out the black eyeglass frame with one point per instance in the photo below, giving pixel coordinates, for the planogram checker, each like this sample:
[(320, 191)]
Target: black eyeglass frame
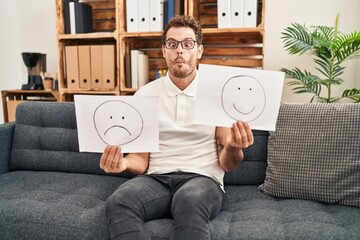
[(181, 43)]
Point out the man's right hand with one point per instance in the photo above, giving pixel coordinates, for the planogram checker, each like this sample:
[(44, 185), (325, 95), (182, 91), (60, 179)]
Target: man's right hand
[(112, 160)]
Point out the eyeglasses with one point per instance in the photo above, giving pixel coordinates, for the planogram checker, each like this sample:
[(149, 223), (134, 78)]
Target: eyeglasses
[(185, 44)]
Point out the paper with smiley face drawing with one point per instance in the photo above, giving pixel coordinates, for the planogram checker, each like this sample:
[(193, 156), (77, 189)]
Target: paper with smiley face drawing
[(227, 94), (131, 122)]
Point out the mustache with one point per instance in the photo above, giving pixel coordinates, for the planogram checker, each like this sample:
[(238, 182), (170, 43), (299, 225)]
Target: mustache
[(179, 58)]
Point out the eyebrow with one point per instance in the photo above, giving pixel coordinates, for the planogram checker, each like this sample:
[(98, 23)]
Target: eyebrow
[(188, 38)]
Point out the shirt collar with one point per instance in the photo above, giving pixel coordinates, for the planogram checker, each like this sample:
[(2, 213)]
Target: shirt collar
[(173, 90)]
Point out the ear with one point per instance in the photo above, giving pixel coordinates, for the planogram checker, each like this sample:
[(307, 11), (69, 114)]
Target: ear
[(163, 50), (200, 51)]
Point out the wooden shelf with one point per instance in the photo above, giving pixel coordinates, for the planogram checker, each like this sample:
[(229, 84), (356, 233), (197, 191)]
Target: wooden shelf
[(68, 94), (102, 35), (242, 47), (12, 98)]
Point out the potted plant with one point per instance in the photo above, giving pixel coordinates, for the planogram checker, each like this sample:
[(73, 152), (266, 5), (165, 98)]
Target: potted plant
[(331, 49)]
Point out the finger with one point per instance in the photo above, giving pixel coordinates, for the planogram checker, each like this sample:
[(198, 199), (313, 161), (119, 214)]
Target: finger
[(249, 133), (118, 158), (236, 133), (244, 139), (110, 158), (104, 157)]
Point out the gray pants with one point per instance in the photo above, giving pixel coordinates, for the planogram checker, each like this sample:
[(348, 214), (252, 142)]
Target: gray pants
[(190, 199)]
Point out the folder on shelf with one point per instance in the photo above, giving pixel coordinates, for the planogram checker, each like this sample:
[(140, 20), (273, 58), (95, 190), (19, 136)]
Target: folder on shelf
[(237, 13), (84, 66), (108, 69), (223, 13), (143, 69), (156, 15), (143, 15), (171, 9), (250, 13), (132, 16), (80, 15), (83, 18), (96, 66), (72, 17), (128, 71), (72, 70), (165, 12), (67, 16), (134, 67)]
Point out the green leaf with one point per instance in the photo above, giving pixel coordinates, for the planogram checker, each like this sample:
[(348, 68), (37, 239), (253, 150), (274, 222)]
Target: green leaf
[(297, 39), (303, 81), (353, 94)]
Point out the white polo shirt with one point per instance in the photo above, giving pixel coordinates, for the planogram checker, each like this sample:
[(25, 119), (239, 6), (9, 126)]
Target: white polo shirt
[(184, 146)]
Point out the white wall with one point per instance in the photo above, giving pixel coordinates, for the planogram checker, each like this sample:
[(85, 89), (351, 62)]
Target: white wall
[(30, 26), (279, 14), (26, 26)]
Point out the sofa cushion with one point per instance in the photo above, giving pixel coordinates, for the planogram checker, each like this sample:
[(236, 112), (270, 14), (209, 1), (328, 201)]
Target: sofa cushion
[(250, 214), (54, 205), (314, 153), (45, 138), (252, 168)]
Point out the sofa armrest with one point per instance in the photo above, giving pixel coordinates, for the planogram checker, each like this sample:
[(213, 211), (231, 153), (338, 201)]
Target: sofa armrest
[(6, 135)]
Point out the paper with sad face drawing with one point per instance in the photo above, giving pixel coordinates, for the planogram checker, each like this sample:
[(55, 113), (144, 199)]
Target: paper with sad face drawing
[(127, 121), (227, 94)]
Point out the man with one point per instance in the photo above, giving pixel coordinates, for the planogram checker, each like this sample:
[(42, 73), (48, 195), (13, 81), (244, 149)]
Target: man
[(185, 179)]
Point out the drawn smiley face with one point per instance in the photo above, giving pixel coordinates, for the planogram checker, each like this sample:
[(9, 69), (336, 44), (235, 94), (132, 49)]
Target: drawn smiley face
[(117, 122), (243, 98)]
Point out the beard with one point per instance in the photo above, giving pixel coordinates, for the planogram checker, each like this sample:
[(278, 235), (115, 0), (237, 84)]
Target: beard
[(181, 71)]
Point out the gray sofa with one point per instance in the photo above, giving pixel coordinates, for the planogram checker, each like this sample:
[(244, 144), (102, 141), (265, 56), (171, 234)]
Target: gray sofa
[(49, 190)]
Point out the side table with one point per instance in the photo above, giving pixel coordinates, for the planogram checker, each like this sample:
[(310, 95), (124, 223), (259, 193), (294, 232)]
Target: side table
[(11, 98)]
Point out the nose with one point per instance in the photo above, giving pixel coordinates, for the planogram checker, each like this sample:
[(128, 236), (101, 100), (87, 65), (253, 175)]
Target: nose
[(179, 49)]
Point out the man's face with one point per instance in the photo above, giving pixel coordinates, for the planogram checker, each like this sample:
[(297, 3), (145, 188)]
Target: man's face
[(181, 63)]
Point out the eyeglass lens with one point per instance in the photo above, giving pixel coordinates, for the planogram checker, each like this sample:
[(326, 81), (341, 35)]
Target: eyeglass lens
[(185, 44)]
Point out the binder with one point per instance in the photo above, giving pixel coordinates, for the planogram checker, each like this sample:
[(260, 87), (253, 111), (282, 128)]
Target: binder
[(236, 18), (250, 13), (84, 66), (143, 15), (165, 12), (83, 18), (223, 13), (80, 15), (72, 17), (108, 69), (132, 16), (134, 67), (72, 70), (171, 9), (127, 71), (96, 66), (143, 69), (156, 15), (67, 16)]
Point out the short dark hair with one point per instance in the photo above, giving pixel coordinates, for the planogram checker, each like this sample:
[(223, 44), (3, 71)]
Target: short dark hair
[(184, 21)]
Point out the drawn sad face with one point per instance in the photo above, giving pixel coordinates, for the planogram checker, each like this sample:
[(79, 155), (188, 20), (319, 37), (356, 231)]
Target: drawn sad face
[(117, 122), (243, 98)]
